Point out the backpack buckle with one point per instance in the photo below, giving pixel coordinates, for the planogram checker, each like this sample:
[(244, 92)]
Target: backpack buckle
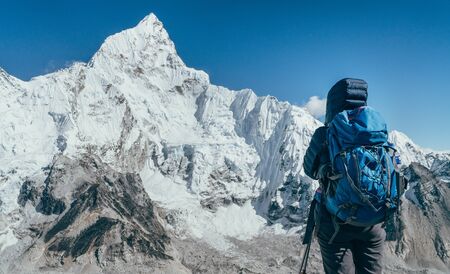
[(388, 203), (335, 177)]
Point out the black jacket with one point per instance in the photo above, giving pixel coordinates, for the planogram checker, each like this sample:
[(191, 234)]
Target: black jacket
[(317, 153)]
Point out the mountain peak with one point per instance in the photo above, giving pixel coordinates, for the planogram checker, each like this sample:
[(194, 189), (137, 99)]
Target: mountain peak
[(149, 20), (148, 41)]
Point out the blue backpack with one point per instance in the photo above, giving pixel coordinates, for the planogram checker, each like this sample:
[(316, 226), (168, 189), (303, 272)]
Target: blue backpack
[(364, 187)]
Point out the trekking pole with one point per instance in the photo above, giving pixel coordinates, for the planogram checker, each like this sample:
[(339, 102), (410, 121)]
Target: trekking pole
[(307, 238), (305, 259)]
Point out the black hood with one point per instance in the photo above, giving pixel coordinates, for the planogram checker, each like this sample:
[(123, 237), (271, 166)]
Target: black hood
[(347, 93)]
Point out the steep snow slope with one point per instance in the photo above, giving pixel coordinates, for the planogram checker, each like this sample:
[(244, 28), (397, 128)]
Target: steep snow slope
[(220, 164)]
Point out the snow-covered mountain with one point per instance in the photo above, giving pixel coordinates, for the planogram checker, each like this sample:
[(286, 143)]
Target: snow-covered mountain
[(135, 159), (411, 152)]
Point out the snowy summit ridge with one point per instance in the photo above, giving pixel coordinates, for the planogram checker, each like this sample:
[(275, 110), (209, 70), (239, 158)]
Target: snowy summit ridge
[(216, 164), (412, 153)]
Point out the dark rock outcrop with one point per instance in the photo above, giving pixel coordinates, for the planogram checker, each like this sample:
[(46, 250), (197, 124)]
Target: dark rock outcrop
[(108, 217), (27, 193)]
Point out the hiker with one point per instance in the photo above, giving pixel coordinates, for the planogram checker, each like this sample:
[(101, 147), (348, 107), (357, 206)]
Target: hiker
[(359, 182)]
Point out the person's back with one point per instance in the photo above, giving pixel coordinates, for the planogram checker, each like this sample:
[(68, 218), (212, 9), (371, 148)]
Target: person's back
[(345, 247)]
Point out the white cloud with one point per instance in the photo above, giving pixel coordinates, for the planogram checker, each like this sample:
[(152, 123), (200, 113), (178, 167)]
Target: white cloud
[(316, 106)]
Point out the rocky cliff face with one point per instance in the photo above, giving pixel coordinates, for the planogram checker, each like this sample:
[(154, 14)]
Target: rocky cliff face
[(424, 221), (135, 161), (84, 214)]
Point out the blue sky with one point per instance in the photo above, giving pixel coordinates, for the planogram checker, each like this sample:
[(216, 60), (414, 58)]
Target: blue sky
[(290, 49)]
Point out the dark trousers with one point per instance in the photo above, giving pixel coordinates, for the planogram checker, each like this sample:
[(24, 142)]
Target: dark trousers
[(354, 249)]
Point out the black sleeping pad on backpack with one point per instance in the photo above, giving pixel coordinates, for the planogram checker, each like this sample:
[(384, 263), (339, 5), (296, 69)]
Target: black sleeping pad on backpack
[(347, 93)]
